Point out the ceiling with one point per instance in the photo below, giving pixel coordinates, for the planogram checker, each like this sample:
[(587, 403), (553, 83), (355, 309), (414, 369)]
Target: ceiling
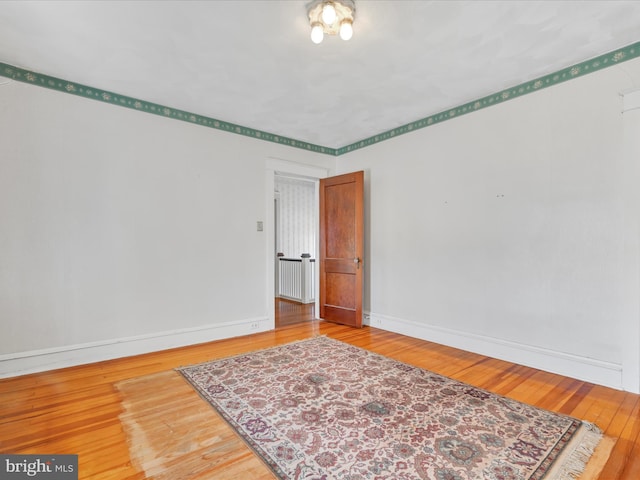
[(252, 63)]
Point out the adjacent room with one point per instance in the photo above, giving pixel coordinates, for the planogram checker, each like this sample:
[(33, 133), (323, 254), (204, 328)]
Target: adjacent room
[(172, 182)]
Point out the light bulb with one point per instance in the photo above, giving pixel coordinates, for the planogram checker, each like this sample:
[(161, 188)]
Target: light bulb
[(317, 34), (346, 30), (328, 14)]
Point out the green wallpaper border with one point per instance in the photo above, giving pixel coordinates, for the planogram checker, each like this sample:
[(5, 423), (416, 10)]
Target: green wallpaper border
[(73, 88), (580, 69)]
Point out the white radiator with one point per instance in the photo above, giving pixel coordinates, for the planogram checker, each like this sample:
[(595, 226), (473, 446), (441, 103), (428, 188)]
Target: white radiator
[(297, 279)]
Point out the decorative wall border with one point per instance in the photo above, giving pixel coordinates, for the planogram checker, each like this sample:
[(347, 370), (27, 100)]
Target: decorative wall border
[(578, 70), (598, 63), (73, 88)]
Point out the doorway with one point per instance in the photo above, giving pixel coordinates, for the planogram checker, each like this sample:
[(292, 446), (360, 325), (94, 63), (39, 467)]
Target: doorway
[(278, 169), (295, 240)]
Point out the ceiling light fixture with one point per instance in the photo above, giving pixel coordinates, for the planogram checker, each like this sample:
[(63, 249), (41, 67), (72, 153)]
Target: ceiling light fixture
[(331, 17)]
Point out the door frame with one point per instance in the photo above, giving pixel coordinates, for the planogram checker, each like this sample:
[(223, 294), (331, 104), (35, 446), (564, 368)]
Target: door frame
[(275, 166)]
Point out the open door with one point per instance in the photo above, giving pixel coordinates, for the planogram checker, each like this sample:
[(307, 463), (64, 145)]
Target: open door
[(341, 248)]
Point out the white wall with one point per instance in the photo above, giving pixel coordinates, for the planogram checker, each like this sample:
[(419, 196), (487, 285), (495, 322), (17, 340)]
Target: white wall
[(512, 231), (503, 231), (123, 232)]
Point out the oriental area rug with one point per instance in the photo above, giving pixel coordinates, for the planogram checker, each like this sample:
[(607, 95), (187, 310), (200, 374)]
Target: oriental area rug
[(322, 409)]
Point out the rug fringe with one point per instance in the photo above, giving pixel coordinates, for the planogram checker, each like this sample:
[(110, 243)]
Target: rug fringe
[(572, 463)]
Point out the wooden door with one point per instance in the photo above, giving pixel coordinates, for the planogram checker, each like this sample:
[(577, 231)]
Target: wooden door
[(341, 248)]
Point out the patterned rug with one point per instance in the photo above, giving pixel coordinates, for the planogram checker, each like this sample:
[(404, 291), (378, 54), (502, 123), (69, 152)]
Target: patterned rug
[(322, 409)]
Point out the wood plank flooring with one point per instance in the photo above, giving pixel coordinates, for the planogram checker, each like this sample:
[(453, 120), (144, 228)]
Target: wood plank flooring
[(288, 312), (85, 409)]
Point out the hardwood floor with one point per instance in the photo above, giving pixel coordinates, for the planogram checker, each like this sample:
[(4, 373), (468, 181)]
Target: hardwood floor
[(288, 312), (99, 411)]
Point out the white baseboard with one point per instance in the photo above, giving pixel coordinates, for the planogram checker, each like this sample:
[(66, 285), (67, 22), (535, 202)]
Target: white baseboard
[(34, 361), (582, 368)]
